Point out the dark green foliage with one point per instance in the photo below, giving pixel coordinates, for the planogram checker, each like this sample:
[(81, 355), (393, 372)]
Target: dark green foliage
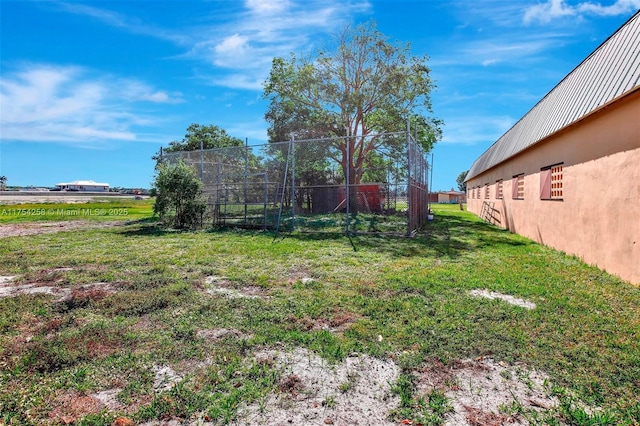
[(200, 136), (462, 185), (363, 86), (179, 200)]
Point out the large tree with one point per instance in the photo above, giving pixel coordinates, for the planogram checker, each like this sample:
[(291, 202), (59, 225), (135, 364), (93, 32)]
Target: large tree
[(462, 185), (364, 86), (3, 183)]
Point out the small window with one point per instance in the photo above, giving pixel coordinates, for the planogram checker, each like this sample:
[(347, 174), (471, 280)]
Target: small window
[(486, 191), (499, 189), (551, 186), (518, 187), (556, 182)]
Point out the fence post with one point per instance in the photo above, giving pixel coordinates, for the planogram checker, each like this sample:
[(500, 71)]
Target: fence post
[(246, 171), (266, 198), (347, 196), (216, 214), (201, 161), (293, 182), (409, 206)]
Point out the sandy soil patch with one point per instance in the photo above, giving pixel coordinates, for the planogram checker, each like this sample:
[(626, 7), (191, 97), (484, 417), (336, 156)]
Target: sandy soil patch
[(492, 295), (38, 228), (6, 279), (69, 407), (215, 334), (9, 290), (481, 391), (222, 286), (108, 399), (337, 323), (314, 392), (165, 378), (77, 294), (357, 391)]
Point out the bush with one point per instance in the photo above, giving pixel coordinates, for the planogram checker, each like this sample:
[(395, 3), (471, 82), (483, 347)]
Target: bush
[(179, 200)]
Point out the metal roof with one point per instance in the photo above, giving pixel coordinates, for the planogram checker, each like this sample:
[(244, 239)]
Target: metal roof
[(83, 183), (612, 70)]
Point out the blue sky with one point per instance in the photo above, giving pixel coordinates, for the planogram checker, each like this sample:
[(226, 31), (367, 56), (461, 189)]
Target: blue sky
[(91, 90)]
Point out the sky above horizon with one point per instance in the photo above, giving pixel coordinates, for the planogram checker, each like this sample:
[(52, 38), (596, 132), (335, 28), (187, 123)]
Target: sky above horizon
[(92, 89)]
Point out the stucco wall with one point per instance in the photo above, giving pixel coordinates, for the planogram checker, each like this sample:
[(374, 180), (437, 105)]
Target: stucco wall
[(598, 218)]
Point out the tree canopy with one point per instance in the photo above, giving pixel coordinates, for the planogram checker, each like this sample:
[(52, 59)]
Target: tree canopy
[(365, 85), (210, 136), (462, 185)]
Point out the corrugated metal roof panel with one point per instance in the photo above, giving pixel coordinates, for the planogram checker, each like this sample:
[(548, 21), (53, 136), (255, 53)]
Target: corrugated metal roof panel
[(610, 71)]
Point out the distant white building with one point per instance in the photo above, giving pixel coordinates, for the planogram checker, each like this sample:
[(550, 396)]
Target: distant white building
[(83, 185)]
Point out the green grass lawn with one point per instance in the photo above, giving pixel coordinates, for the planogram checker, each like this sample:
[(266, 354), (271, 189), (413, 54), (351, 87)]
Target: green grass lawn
[(584, 332)]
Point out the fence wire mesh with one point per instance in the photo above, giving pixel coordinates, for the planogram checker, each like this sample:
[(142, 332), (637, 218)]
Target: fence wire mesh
[(358, 184)]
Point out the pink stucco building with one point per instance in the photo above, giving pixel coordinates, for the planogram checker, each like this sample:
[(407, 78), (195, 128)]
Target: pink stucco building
[(567, 174)]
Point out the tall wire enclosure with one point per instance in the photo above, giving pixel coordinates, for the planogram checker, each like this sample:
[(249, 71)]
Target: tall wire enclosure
[(372, 184)]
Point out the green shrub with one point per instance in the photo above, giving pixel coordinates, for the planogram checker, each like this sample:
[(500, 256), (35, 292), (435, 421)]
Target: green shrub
[(179, 200)]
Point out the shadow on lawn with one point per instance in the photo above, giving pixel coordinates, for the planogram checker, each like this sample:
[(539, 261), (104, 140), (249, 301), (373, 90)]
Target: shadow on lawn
[(449, 234), (146, 227)]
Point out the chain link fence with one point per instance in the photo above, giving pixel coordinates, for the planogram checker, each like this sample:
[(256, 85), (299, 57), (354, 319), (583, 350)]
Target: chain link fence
[(358, 184)]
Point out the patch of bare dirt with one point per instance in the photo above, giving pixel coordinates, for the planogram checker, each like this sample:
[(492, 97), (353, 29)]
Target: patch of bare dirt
[(38, 228), (492, 295), (314, 392), (357, 391), (165, 378), (8, 290), (482, 391), (108, 398), (69, 407), (222, 286), (299, 274), (75, 296), (221, 333)]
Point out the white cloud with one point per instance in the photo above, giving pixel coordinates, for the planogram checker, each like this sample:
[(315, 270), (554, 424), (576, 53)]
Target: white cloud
[(267, 6), (620, 7), (231, 44), (474, 130), (120, 21), (134, 91), (236, 81), (552, 9), (64, 104), (245, 41), (248, 42), (504, 49)]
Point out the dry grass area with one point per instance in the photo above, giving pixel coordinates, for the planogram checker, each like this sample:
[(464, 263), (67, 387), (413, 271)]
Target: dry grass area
[(38, 228)]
